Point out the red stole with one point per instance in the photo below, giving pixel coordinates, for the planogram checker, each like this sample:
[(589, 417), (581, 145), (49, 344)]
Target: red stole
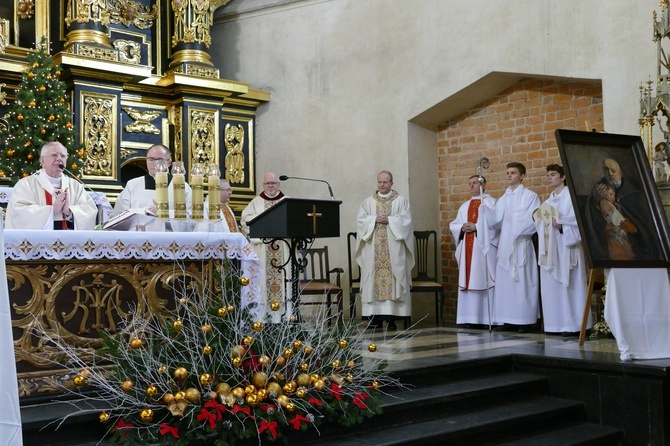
[(229, 217), (49, 199), (473, 216)]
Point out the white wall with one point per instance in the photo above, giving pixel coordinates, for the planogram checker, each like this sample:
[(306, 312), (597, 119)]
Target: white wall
[(346, 77)]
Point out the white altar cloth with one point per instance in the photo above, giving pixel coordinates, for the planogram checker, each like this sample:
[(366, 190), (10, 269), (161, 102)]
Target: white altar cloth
[(99, 198), (637, 310), (26, 245)]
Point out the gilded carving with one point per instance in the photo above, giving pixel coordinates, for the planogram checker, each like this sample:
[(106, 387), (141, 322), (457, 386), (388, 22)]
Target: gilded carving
[(98, 118), (197, 70), (201, 128), (142, 121), (84, 11), (97, 52), (128, 12), (25, 9), (233, 137), (125, 153), (192, 22), (175, 118), (3, 95), (4, 34), (129, 51)]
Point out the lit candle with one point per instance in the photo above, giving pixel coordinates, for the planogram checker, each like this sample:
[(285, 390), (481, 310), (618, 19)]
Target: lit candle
[(178, 187), (161, 177), (197, 191), (213, 187)]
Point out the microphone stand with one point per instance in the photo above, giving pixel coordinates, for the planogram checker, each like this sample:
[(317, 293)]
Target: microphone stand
[(330, 190), (98, 218), (484, 164)]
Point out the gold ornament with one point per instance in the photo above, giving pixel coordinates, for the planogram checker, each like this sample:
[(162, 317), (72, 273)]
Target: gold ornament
[(103, 417), (297, 345), (168, 398), (207, 350), (336, 363), (244, 281), (274, 387), (238, 351), (308, 350), (304, 367), (152, 391), (262, 394), (57, 73), (222, 312), (25, 174), (80, 153), (2, 173), (351, 363), (350, 377), (342, 344), (303, 380), (192, 395), (35, 65), (180, 373), (276, 376), (30, 157), (49, 77), (264, 360), (248, 390), (257, 326), (136, 343), (28, 144), (222, 388), (372, 348), (253, 400), (288, 353), (177, 325), (62, 100), (19, 117), (85, 372), (274, 305), (314, 376), (127, 386), (74, 166), (375, 384), (230, 308), (281, 361), (68, 125), (180, 395), (248, 340), (238, 392), (162, 369), (51, 117), (205, 379), (292, 318), (79, 380), (31, 104), (147, 415), (282, 400), (237, 362), (207, 329), (31, 75), (301, 392), (43, 131), (319, 384), (42, 88), (259, 379), (290, 407)]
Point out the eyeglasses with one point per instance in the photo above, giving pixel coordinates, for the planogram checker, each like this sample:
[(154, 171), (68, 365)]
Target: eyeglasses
[(153, 160), (62, 156), (271, 183)]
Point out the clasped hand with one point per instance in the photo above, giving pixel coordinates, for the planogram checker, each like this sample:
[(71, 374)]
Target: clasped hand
[(61, 205)]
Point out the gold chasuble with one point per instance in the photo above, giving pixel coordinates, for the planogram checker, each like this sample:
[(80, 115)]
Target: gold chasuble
[(383, 272), (229, 217), (473, 216), (273, 275)]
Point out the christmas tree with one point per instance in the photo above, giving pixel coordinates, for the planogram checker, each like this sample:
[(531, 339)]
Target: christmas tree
[(40, 114)]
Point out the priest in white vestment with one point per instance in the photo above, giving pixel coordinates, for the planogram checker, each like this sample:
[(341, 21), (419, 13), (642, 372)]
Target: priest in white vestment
[(476, 249), (273, 285), (561, 258), (48, 199), (385, 253), (140, 193), (516, 302)]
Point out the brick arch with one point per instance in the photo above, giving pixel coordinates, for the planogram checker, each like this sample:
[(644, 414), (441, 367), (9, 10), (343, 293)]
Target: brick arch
[(516, 124)]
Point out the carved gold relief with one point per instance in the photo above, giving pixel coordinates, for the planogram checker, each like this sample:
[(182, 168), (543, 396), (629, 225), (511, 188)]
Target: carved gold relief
[(84, 11), (202, 136), (233, 137), (175, 119), (25, 9), (128, 12), (129, 51), (97, 53), (142, 121), (99, 124), (125, 153), (4, 34), (3, 95), (197, 70)]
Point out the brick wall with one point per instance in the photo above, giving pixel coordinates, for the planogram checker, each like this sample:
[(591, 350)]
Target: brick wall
[(516, 125)]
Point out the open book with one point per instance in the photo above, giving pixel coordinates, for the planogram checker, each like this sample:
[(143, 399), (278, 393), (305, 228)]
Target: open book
[(129, 220)]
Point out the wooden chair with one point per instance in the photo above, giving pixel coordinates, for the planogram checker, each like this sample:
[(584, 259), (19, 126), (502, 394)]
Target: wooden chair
[(316, 281), (354, 274), (425, 280)]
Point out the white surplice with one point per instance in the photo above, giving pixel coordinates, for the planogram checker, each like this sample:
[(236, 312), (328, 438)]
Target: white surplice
[(517, 285), (28, 209), (473, 297), (136, 196), (563, 274), (400, 236)]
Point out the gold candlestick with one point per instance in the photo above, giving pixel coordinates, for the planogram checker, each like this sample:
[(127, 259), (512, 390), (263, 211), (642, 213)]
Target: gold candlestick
[(161, 177), (213, 186), (197, 191), (179, 189)]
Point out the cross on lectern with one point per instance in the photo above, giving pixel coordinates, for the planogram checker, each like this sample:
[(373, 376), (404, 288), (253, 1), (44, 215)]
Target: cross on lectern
[(314, 215)]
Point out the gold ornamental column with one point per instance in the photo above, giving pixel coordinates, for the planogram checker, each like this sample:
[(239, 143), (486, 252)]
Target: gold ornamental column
[(87, 23)]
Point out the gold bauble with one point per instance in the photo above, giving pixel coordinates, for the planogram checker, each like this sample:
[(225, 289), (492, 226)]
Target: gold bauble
[(238, 392), (2, 173), (314, 376), (192, 395), (207, 350), (31, 75), (343, 343), (147, 415), (249, 389), (297, 344), (68, 125), (51, 117), (237, 362), (308, 350), (303, 379), (168, 398), (42, 88), (301, 392), (279, 377), (19, 117), (262, 394), (282, 400), (152, 391), (248, 340), (264, 360), (244, 281), (103, 417), (43, 132), (182, 300), (79, 380), (336, 363), (304, 367), (80, 153), (319, 384), (49, 77), (35, 65), (253, 400), (230, 308), (136, 343), (127, 386), (281, 361), (375, 384), (162, 368), (350, 377), (259, 379), (257, 326), (28, 144), (292, 319), (290, 407), (351, 363), (222, 312), (180, 395), (289, 387), (222, 389), (274, 305), (73, 166), (205, 379), (180, 373), (372, 348), (177, 325), (288, 353), (85, 372), (238, 351), (57, 73), (62, 100), (25, 174), (274, 387), (207, 329), (32, 104)]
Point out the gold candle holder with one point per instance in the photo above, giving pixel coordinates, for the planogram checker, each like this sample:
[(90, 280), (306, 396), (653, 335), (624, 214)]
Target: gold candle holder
[(179, 189), (213, 187), (161, 177), (198, 192)]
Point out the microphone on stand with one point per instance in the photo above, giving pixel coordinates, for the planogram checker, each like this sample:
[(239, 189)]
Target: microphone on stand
[(98, 220), (285, 177)]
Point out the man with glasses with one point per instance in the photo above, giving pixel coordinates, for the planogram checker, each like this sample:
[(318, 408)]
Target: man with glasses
[(48, 199), (140, 193), (269, 255)]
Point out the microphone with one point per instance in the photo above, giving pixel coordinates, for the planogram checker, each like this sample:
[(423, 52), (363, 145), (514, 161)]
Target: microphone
[(286, 177), (74, 177)]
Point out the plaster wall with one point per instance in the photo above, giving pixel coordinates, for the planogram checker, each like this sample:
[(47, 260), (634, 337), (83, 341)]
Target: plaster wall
[(360, 86)]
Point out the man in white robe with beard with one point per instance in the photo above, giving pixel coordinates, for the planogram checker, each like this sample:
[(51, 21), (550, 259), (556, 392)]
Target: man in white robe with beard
[(385, 253), (476, 249), (561, 258), (48, 199), (516, 302)]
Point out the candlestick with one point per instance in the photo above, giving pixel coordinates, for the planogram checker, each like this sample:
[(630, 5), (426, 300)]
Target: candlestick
[(213, 187), (197, 191), (179, 189), (161, 177)]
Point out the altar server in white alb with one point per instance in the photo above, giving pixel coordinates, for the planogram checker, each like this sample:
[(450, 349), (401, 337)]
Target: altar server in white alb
[(140, 193), (385, 253), (561, 259), (476, 249), (48, 199), (516, 302)]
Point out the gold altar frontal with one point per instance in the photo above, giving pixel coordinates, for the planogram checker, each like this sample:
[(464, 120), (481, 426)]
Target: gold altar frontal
[(72, 300)]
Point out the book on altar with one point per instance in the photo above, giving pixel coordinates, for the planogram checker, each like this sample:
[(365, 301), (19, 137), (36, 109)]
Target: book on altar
[(133, 219)]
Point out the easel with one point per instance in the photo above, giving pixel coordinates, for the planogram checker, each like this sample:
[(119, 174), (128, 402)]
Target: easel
[(595, 274)]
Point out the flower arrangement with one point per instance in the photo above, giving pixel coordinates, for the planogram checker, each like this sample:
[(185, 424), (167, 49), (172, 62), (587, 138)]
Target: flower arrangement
[(206, 371)]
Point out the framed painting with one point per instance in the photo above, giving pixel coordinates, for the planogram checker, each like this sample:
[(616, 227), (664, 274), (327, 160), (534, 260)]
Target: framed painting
[(617, 204)]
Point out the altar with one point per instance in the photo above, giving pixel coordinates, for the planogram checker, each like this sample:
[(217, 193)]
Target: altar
[(72, 284)]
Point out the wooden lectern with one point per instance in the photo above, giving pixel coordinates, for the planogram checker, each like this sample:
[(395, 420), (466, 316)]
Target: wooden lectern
[(296, 222)]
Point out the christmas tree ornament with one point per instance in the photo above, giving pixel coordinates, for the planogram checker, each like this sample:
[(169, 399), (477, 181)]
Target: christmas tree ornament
[(28, 144), (136, 343), (177, 325), (42, 88), (222, 312), (274, 305), (80, 153), (168, 398), (374, 384), (248, 340), (162, 368), (238, 392), (264, 360), (207, 350), (147, 415), (127, 386), (253, 400), (281, 361), (222, 389), (49, 77), (297, 344), (273, 388), (257, 326), (290, 407), (372, 348), (238, 351), (103, 417), (68, 125), (35, 65), (230, 308), (249, 389), (79, 380), (244, 281), (288, 353), (308, 350), (336, 363), (319, 384), (180, 395), (237, 362), (43, 132), (351, 364), (25, 174), (342, 344), (51, 117), (303, 380), (282, 400), (31, 104), (30, 156), (301, 392), (304, 367), (62, 100), (20, 117), (180, 373), (259, 379), (74, 166), (30, 75), (207, 329), (152, 391), (57, 73), (205, 379)]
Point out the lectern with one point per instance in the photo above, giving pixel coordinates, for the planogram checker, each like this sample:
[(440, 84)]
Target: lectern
[(296, 222)]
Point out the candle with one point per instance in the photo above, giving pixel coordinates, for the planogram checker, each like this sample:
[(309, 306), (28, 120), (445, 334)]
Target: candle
[(213, 187), (162, 206), (198, 193), (178, 186)]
